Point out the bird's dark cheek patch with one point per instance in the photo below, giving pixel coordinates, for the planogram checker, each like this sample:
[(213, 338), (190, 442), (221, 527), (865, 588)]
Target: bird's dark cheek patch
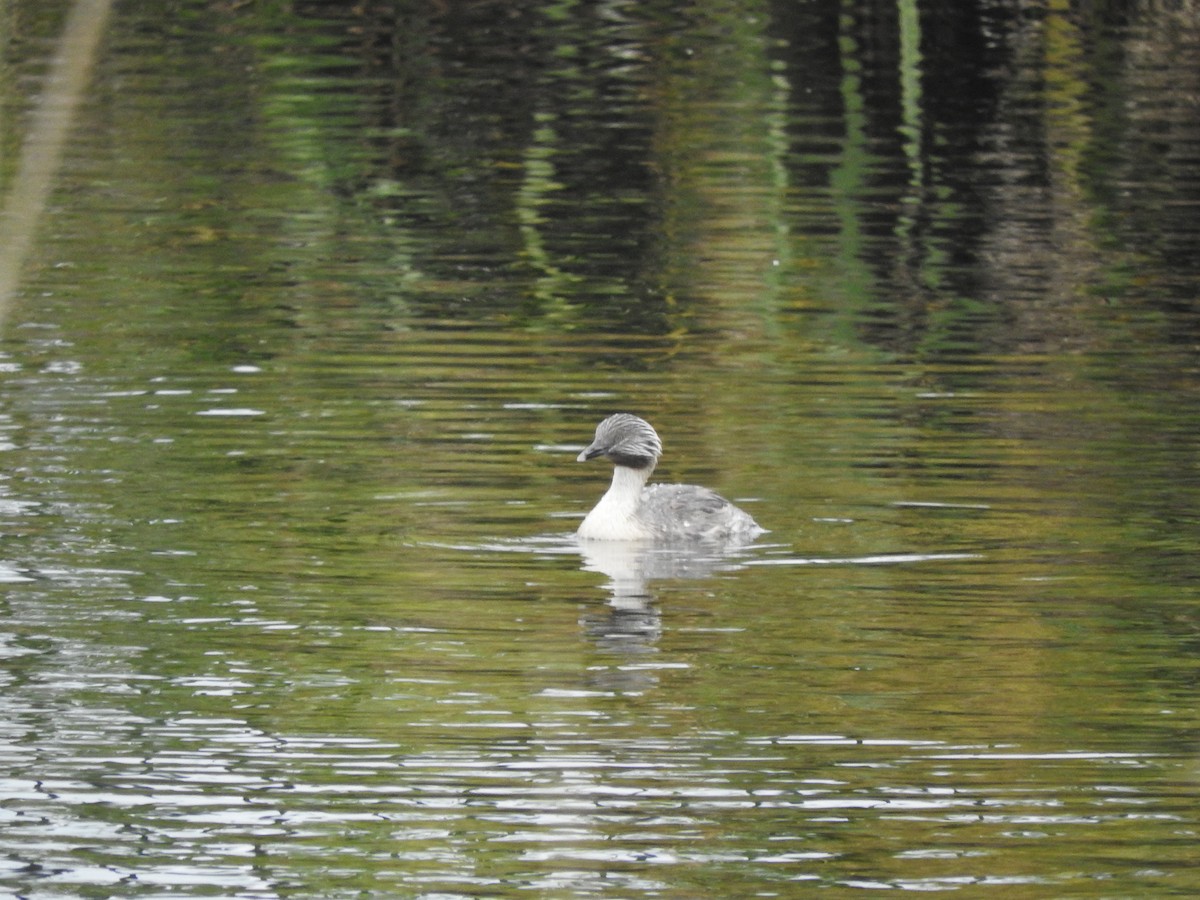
[(631, 460)]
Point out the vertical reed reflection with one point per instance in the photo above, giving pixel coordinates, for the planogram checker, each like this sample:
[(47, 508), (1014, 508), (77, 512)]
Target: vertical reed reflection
[(41, 151)]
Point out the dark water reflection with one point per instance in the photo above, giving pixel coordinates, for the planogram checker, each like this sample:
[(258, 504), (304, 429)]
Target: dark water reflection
[(330, 295)]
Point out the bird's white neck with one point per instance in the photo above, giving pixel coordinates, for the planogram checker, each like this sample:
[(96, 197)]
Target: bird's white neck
[(613, 517)]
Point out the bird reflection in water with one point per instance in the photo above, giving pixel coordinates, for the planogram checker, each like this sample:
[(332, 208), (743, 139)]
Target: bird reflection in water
[(630, 624)]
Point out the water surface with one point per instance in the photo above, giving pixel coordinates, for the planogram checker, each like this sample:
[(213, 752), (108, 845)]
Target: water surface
[(324, 304)]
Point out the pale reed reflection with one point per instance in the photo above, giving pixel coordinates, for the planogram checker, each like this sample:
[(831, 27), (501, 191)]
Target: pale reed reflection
[(41, 152)]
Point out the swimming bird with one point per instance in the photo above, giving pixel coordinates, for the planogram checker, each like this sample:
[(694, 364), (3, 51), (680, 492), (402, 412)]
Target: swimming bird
[(631, 511)]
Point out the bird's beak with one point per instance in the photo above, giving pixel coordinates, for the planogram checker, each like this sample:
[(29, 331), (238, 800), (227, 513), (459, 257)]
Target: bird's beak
[(591, 451)]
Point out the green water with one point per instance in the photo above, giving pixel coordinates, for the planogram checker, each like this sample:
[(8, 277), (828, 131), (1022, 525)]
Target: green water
[(325, 302)]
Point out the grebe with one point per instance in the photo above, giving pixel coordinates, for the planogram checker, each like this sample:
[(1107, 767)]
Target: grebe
[(631, 511)]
